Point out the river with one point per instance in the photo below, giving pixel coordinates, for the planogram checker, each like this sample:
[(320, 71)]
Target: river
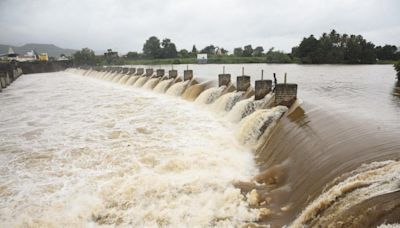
[(80, 151)]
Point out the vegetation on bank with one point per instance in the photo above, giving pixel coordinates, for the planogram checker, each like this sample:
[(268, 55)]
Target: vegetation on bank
[(332, 48)]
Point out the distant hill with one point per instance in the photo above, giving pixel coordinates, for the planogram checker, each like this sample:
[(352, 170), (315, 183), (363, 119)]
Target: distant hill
[(50, 49)]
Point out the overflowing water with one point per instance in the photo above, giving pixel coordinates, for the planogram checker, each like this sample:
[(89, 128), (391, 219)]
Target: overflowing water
[(151, 83), (246, 107), (210, 95), (163, 85), (178, 88), (226, 102), (79, 151), (141, 81)]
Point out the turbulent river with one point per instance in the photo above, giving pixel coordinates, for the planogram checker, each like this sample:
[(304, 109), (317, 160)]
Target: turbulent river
[(84, 148)]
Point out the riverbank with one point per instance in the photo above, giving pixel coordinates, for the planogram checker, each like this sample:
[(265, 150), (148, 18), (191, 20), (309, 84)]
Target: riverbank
[(221, 60)]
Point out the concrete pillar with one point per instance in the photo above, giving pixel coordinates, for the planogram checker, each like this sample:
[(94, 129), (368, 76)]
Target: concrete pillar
[(140, 71), (160, 72), (132, 70), (242, 83), (262, 88), (172, 73), (8, 79), (125, 70), (285, 94), (187, 75), (224, 79), (149, 72), (3, 80)]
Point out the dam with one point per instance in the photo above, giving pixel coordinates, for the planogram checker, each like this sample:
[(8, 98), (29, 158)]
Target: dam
[(133, 146)]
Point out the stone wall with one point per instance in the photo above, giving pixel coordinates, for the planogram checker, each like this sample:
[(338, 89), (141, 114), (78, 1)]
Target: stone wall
[(43, 67)]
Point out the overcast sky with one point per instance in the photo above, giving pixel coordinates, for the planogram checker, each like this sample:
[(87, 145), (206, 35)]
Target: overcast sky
[(124, 25)]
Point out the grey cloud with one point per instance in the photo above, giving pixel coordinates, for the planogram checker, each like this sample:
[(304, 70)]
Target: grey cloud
[(125, 25)]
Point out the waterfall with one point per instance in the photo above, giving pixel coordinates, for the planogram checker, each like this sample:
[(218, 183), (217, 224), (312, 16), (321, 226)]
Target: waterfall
[(210, 95), (151, 83), (226, 102), (178, 88), (132, 80), (140, 82), (255, 128), (246, 107), (117, 78), (123, 79), (193, 91), (163, 86), (110, 77)]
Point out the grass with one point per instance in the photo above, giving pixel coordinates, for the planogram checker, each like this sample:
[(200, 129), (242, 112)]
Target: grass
[(213, 60)]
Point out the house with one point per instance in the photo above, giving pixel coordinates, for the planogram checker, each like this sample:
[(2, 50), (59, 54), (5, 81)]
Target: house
[(43, 57), (30, 56)]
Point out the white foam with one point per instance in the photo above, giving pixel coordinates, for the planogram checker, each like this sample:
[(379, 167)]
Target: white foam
[(246, 107), (255, 128), (226, 102), (81, 152)]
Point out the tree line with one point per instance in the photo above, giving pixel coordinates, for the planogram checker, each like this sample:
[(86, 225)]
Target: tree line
[(329, 48), (342, 48)]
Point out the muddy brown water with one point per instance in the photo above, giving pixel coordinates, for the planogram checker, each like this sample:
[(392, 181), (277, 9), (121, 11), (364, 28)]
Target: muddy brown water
[(349, 117)]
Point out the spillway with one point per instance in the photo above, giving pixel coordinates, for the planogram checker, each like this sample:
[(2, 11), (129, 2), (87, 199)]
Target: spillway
[(89, 152)]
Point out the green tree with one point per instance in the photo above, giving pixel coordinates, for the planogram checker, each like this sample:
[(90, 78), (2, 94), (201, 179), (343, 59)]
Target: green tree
[(258, 51), (132, 55), (335, 48), (210, 49), (387, 52), (248, 51), (151, 48), (194, 49), (277, 57), (308, 50), (238, 52), (83, 57), (184, 53), (168, 49)]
